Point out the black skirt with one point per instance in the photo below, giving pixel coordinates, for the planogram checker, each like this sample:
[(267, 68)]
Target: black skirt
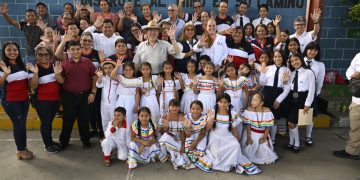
[(270, 94), (294, 102)]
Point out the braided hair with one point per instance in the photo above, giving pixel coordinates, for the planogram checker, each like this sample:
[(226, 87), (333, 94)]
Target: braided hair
[(228, 99), (146, 110)]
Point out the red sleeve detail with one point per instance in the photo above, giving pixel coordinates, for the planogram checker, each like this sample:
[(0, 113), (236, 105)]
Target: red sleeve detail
[(112, 129), (124, 123)]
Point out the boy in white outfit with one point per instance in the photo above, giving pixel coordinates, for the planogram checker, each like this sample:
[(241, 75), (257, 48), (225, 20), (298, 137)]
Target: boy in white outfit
[(108, 94), (116, 137)]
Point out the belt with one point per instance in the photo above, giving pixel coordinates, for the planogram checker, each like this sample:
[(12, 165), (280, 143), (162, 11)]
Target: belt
[(257, 130)]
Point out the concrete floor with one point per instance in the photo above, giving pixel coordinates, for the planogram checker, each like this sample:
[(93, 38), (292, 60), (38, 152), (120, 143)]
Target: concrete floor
[(315, 163)]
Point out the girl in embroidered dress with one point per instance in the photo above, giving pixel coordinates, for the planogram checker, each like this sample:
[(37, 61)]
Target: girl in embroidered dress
[(128, 89), (173, 139), (168, 87), (195, 143), (207, 86), (256, 145), (116, 137), (148, 91), (143, 146), (186, 82), (223, 148)]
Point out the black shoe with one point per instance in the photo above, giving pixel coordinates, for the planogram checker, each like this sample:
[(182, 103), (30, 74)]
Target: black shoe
[(309, 141), (52, 149), (92, 133), (87, 145), (295, 149), (344, 154), (288, 147), (63, 146)]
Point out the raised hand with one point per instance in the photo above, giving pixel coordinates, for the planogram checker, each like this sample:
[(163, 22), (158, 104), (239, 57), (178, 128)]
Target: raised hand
[(277, 20), (4, 8), (139, 36), (99, 21), (56, 36), (186, 122), (195, 17), (57, 68), (156, 16), (78, 5), (210, 115), (121, 14), (5, 69), (202, 41), (172, 31), (89, 8), (32, 68), (212, 15), (235, 17), (119, 62), (41, 24), (286, 77), (230, 58), (133, 18), (315, 16), (68, 36), (178, 75), (99, 73)]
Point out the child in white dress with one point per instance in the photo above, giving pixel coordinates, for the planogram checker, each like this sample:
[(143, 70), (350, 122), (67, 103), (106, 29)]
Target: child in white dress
[(116, 137), (173, 139), (143, 146), (256, 142), (128, 89), (108, 93), (148, 91), (186, 82), (224, 148), (168, 87)]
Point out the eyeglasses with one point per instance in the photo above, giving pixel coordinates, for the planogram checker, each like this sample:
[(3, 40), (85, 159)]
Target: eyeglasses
[(87, 40), (67, 18), (171, 10), (43, 54), (134, 30), (197, 7), (189, 29), (299, 24)]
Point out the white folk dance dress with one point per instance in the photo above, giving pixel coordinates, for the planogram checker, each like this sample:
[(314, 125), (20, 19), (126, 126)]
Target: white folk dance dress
[(235, 89), (168, 92), (258, 153), (224, 149), (170, 143), (149, 99), (116, 138), (149, 153), (189, 95), (127, 93), (207, 93), (197, 156), (108, 99)]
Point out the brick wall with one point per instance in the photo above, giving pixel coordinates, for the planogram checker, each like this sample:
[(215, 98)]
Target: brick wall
[(337, 49)]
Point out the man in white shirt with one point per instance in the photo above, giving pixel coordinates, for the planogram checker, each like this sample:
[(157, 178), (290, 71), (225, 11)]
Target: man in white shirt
[(300, 26), (352, 149), (263, 12), (106, 40), (240, 18), (174, 19)]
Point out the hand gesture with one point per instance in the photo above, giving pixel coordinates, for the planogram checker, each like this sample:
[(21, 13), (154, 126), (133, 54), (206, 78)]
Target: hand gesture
[(41, 24), (186, 122), (121, 14), (172, 31), (262, 140), (139, 36), (195, 17), (32, 68), (57, 68), (202, 41), (156, 16), (315, 16), (276, 105), (4, 8), (56, 36), (5, 69), (286, 77), (89, 8), (165, 120), (235, 17), (211, 115), (133, 18), (78, 5), (160, 79), (119, 62), (230, 58), (221, 81), (277, 20), (249, 140), (212, 15), (99, 73), (178, 75), (194, 81), (68, 36), (99, 21), (229, 30), (101, 53)]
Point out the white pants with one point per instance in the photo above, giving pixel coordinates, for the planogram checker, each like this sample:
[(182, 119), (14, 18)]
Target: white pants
[(107, 114), (109, 143)]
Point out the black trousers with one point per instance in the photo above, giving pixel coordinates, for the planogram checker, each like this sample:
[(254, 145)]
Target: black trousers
[(95, 121), (75, 106), (46, 111)]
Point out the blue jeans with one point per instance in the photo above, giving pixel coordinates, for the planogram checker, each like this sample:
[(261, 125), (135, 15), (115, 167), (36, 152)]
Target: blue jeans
[(18, 111)]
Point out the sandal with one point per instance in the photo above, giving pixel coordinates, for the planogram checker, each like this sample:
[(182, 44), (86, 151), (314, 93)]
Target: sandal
[(309, 141), (295, 149), (288, 147), (24, 155), (107, 163)]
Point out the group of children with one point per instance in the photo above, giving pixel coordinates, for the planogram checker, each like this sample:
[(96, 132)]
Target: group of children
[(210, 118)]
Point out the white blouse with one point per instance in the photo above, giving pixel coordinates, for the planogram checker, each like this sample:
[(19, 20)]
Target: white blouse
[(217, 52)]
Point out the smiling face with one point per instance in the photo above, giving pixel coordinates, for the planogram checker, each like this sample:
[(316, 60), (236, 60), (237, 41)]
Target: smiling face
[(209, 69), (48, 33), (299, 26), (264, 58), (128, 72), (108, 29), (152, 34), (197, 7), (260, 32), (145, 70), (118, 116), (278, 60), (237, 35), (167, 69), (204, 17), (256, 101), (295, 62), (11, 52), (271, 29), (104, 6), (172, 12), (174, 109), (128, 9), (249, 31), (146, 11), (84, 24), (121, 48), (223, 8), (43, 56), (68, 8), (31, 17), (196, 110), (66, 19), (293, 46), (41, 10), (242, 9), (284, 37), (263, 12), (223, 104), (231, 72), (189, 31), (211, 27), (191, 68), (311, 53), (86, 41), (75, 52), (144, 117), (108, 68)]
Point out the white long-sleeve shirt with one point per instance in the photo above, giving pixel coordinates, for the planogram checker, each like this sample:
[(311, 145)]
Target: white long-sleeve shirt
[(120, 134), (267, 79), (108, 93), (319, 71), (217, 52), (353, 68), (257, 21), (306, 82), (245, 20), (304, 39), (101, 42)]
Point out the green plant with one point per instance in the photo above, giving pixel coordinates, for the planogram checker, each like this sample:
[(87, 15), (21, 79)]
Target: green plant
[(354, 12)]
